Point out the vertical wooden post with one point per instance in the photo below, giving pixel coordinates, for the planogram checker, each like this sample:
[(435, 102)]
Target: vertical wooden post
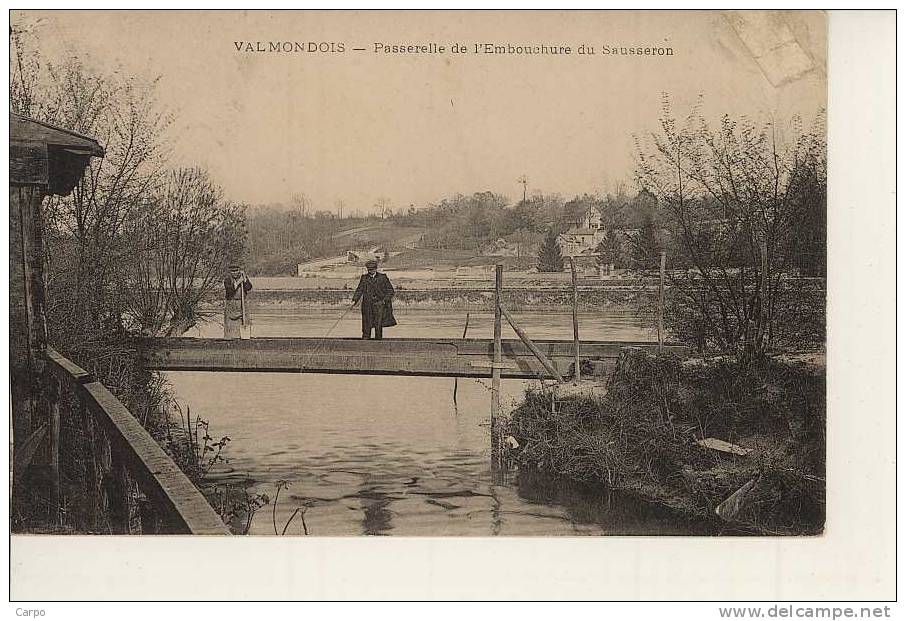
[(91, 469), (28, 338), (572, 267), (498, 357), (150, 519), (119, 496), (54, 396), (660, 305), (104, 462)]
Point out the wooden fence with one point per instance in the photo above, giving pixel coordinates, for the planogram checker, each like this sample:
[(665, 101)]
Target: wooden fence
[(131, 486)]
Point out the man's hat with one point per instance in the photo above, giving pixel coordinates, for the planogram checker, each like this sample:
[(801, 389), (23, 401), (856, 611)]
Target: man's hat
[(234, 266), (371, 263)]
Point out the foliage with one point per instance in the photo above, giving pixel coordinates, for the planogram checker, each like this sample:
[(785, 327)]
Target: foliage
[(610, 249), (644, 248), (574, 210), (744, 209), (643, 436), (135, 247), (84, 233), (467, 222), (182, 241), (190, 444), (298, 511), (278, 240), (550, 258)]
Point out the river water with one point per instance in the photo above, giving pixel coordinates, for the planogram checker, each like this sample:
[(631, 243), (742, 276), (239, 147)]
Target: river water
[(383, 455)]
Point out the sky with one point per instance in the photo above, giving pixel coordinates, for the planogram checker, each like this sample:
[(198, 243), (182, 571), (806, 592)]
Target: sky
[(415, 128)]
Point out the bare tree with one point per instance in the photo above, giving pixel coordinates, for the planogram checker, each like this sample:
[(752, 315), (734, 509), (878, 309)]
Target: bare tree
[(128, 224), (24, 68), (85, 232), (182, 242), (735, 201), (383, 206), (301, 203)]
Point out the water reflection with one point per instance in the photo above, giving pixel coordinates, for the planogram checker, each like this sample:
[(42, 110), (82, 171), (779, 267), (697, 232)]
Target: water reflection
[(618, 513), (376, 515)]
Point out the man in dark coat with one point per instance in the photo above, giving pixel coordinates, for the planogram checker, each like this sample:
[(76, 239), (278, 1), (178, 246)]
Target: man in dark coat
[(376, 294)]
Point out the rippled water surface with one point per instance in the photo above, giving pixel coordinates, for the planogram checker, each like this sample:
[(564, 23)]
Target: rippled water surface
[(383, 455)]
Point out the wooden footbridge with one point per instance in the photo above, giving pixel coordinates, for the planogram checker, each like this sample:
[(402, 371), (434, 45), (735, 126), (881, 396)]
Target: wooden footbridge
[(118, 478), (405, 356)]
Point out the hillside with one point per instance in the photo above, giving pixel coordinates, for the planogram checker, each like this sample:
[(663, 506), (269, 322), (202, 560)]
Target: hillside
[(299, 241)]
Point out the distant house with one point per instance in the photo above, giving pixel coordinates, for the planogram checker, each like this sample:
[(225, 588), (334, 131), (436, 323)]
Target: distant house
[(585, 234), (591, 219), (577, 241)]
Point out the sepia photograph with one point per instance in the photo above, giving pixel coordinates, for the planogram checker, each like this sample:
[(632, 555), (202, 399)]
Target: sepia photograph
[(308, 274)]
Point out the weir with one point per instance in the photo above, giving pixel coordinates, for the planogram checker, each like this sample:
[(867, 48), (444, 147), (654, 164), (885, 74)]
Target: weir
[(405, 356)]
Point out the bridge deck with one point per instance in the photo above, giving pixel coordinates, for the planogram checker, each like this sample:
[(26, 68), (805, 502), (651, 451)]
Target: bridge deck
[(431, 357)]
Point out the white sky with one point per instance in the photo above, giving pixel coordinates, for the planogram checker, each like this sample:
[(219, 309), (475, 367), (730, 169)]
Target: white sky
[(358, 125)]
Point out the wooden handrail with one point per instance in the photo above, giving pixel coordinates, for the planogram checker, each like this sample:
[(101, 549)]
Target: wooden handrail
[(175, 498), (68, 368)]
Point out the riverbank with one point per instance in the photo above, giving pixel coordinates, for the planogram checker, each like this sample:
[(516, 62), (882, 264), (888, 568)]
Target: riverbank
[(709, 439)]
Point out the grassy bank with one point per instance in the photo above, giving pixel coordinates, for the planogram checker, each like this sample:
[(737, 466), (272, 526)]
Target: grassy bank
[(643, 436)]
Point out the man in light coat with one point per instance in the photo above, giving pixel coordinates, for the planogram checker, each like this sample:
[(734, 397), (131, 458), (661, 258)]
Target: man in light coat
[(232, 311)]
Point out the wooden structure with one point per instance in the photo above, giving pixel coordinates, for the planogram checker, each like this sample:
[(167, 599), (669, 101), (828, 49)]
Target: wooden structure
[(130, 484), (43, 160), (118, 452), (405, 356)]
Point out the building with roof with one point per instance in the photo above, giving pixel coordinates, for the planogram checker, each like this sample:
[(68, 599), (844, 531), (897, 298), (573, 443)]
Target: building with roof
[(44, 160), (578, 241), (584, 235)]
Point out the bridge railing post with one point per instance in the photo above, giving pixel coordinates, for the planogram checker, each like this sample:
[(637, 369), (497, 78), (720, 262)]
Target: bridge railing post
[(118, 499), (53, 395), (498, 359), (91, 500), (577, 377)]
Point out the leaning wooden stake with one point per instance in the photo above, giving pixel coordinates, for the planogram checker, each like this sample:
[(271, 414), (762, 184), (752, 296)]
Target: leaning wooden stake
[(572, 268), (544, 360), (660, 305), (456, 379)]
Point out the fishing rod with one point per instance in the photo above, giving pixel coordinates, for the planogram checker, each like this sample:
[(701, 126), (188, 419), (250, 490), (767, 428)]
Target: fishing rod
[(323, 339)]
